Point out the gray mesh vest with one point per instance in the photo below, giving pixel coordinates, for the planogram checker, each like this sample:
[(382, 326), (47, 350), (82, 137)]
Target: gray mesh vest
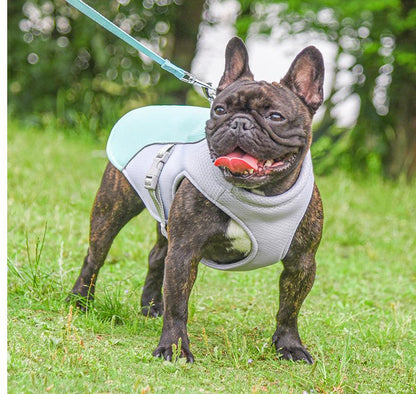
[(270, 222)]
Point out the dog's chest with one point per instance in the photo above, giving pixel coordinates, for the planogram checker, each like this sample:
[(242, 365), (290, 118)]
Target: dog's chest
[(239, 240), (228, 247)]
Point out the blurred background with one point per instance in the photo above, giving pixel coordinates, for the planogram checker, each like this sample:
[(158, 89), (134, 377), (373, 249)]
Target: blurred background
[(66, 71)]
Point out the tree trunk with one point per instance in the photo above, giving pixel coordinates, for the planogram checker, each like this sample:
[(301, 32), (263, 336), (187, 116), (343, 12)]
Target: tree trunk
[(402, 155), (184, 38)]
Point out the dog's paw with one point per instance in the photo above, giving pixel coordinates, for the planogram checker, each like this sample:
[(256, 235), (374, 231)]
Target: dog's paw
[(153, 310), (289, 347), (298, 353), (171, 353)]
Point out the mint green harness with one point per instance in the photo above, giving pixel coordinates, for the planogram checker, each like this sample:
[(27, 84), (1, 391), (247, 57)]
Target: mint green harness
[(157, 147), (164, 124)]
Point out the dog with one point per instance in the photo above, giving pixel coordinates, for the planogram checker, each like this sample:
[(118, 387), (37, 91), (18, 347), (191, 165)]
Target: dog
[(245, 197)]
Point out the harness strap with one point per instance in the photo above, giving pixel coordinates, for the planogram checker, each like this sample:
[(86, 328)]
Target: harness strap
[(151, 183)]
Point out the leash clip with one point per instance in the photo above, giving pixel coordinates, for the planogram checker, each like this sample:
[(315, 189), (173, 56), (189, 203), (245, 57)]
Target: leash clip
[(207, 88)]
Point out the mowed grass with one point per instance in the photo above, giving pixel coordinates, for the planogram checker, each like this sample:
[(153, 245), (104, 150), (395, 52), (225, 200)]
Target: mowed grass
[(358, 321)]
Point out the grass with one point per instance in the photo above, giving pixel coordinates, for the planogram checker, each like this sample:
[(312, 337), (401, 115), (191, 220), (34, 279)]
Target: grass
[(358, 322)]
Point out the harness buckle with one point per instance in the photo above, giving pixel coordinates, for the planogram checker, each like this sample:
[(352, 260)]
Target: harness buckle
[(150, 182), (152, 176)]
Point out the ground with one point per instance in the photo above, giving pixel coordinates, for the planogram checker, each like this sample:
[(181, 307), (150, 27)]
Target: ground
[(358, 322)]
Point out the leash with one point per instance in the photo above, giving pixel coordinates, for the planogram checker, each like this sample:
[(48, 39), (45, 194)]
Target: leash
[(165, 64)]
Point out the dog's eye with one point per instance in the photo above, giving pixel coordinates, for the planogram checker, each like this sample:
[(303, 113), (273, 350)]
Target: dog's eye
[(219, 110), (276, 117)]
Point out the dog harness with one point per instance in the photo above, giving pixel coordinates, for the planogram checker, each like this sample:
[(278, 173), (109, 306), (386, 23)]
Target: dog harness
[(141, 146)]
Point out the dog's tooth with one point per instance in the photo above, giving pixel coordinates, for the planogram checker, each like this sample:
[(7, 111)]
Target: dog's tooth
[(250, 171), (268, 163)]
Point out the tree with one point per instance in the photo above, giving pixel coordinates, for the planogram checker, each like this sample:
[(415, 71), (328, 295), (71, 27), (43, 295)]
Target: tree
[(61, 62), (380, 37)]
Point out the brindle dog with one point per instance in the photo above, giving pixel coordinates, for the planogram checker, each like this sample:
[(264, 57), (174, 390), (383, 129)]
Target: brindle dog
[(269, 123)]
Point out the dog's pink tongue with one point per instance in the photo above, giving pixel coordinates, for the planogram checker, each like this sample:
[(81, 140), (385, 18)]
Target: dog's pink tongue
[(237, 161)]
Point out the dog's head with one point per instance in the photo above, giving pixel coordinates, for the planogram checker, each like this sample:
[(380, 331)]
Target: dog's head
[(260, 132)]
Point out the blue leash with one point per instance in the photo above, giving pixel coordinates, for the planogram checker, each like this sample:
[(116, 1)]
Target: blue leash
[(179, 73)]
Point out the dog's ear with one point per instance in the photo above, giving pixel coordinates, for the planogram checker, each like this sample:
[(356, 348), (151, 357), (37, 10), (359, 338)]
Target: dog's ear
[(306, 77), (236, 64)]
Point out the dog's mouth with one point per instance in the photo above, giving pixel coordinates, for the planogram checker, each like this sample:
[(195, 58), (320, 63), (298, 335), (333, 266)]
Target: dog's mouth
[(241, 164)]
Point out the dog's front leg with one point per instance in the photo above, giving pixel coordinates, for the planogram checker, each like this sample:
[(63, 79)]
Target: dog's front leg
[(187, 233), (297, 280), (180, 274), (295, 284)]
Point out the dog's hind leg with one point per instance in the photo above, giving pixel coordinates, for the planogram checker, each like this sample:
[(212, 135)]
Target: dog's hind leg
[(152, 302), (115, 204)]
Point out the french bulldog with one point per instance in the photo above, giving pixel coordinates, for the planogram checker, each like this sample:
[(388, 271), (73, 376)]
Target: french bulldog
[(258, 139)]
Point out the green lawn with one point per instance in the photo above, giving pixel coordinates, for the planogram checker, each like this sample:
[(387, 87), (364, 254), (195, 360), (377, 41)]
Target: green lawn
[(358, 322)]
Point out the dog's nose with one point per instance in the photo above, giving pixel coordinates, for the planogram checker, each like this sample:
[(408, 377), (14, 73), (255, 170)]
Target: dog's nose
[(241, 124)]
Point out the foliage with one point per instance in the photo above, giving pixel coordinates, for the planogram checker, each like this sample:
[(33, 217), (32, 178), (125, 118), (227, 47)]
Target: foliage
[(358, 322), (376, 55), (61, 62)]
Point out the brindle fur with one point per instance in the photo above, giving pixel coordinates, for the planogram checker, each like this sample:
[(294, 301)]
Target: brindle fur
[(196, 229)]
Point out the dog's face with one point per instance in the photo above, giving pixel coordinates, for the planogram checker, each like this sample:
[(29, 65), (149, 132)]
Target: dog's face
[(260, 132)]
